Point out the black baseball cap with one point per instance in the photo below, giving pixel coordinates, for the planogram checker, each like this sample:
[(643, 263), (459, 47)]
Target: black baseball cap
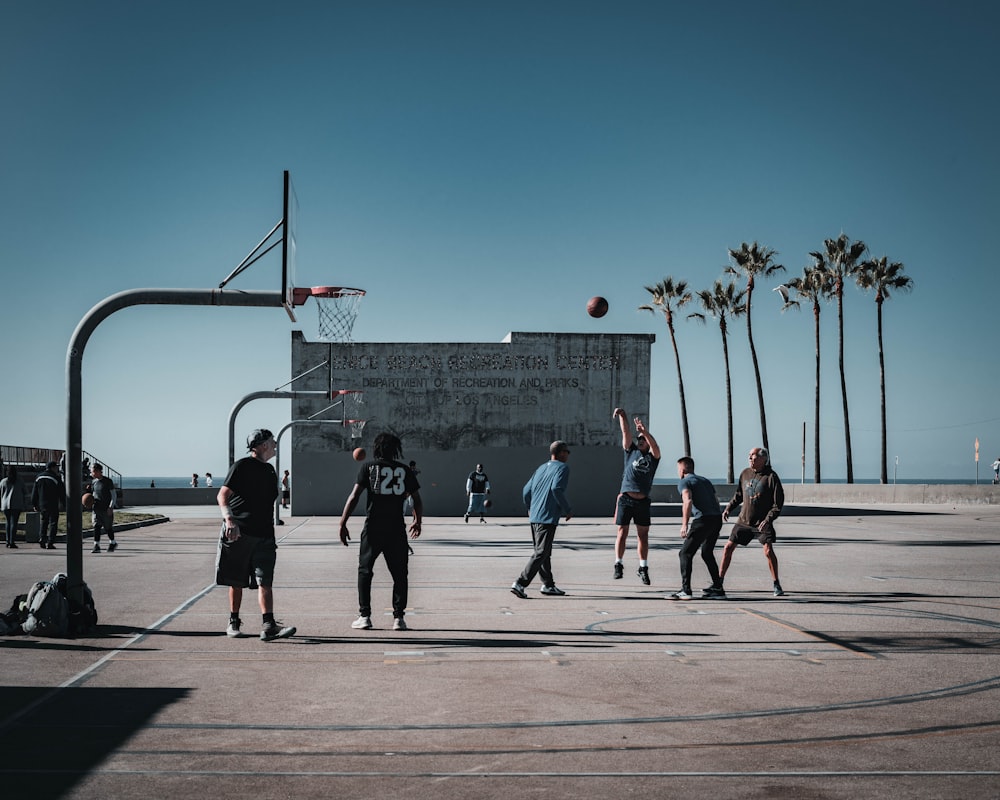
[(258, 437)]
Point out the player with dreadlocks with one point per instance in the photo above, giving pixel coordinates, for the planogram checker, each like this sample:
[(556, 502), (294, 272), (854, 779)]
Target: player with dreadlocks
[(388, 482)]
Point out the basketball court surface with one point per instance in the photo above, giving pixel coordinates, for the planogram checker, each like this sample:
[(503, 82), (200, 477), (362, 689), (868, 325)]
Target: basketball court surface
[(877, 675)]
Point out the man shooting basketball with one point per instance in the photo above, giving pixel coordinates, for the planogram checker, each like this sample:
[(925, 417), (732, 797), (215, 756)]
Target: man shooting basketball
[(642, 457)]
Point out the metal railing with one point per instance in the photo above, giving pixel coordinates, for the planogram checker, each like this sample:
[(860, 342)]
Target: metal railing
[(34, 459)]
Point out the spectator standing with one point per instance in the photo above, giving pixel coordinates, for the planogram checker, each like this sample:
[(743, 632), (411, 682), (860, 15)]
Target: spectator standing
[(12, 502), (47, 496), (477, 487)]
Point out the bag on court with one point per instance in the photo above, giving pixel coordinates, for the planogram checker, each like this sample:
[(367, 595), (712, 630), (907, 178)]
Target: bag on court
[(48, 611), (81, 617)]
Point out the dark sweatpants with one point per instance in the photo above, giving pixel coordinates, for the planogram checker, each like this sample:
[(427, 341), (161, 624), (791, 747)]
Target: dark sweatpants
[(703, 532), (540, 563), (396, 550)]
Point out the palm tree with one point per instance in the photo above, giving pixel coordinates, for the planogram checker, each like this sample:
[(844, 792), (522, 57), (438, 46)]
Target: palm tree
[(720, 302), (841, 258), (815, 284), (884, 277), (753, 260), (668, 296)]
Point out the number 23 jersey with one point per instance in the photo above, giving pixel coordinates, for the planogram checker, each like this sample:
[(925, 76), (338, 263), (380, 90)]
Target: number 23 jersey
[(388, 483)]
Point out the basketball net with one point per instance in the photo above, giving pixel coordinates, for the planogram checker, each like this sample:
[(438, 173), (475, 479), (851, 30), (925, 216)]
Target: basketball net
[(337, 308), (357, 427), (354, 403)]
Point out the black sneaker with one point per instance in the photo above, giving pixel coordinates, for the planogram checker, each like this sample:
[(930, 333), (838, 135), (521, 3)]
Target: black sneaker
[(778, 591), (274, 630), (714, 593), (619, 570), (643, 572), (112, 546)]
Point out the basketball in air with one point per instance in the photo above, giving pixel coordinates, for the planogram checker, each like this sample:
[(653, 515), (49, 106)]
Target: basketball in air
[(359, 454), (88, 500), (597, 307)]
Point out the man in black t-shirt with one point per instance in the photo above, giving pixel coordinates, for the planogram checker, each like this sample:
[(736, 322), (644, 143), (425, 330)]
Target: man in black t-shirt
[(477, 487), (388, 482), (247, 548)]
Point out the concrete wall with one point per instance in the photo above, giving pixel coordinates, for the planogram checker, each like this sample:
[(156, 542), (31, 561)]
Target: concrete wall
[(454, 405), (169, 497)]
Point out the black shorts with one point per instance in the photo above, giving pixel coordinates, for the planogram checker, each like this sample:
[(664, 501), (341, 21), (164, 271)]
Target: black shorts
[(631, 510), (744, 534), (247, 562)]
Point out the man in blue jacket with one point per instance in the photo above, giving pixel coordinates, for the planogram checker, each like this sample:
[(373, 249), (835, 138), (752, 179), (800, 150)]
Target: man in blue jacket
[(545, 498)]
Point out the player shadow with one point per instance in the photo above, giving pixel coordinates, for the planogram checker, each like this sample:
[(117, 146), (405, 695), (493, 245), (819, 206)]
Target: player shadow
[(501, 639), (33, 643), (791, 510), (64, 734)]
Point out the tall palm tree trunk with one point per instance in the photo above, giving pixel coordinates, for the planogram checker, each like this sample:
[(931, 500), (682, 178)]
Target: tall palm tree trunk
[(756, 372), (730, 474), (680, 385), (843, 386), (816, 462), (881, 378)]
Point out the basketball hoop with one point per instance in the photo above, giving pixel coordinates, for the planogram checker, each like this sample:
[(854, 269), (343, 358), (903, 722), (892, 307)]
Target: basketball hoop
[(357, 427), (338, 308), (354, 402)]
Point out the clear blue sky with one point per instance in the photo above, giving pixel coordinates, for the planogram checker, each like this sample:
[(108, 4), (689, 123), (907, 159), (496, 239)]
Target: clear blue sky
[(486, 167)]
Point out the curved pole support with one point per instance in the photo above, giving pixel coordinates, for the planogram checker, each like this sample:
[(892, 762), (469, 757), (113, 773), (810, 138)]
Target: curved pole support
[(74, 384)]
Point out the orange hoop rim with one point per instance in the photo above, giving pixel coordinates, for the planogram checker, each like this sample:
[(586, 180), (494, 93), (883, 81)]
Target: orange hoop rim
[(300, 294)]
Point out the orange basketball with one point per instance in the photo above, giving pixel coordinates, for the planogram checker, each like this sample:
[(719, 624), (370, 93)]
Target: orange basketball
[(88, 500), (597, 307), (359, 454)]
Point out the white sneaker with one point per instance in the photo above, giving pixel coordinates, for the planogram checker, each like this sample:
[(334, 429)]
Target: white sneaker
[(362, 623), (553, 589), (233, 631), (681, 595), (399, 624)]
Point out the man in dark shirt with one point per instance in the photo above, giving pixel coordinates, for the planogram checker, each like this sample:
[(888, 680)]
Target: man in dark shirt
[(701, 521), (247, 547), (388, 482), (760, 496), (47, 495), (103, 490), (642, 457)]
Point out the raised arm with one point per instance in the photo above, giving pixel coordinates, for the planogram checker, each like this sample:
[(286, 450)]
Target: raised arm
[(654, 448), (622, 417)]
